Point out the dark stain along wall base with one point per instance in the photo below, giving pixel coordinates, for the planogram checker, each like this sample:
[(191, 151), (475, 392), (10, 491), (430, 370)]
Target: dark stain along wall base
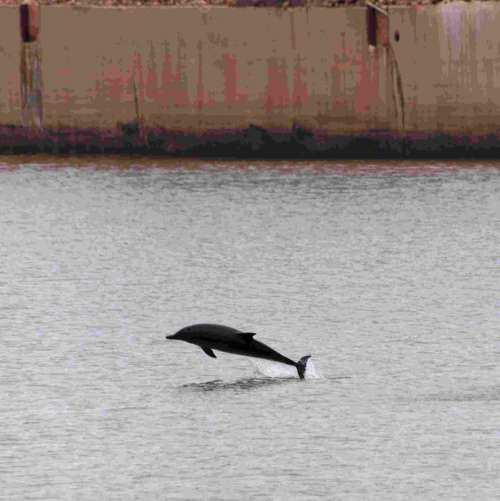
[(253, 142)]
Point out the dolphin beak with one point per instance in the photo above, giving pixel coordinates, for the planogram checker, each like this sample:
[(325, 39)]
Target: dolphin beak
[(170, 337)]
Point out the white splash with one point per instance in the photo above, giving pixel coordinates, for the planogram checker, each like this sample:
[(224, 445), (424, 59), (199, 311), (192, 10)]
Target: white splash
[(312, 371), (275, 369)]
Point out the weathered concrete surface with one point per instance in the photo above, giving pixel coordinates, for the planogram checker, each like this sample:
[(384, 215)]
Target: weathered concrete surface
[(448, 60), (274, 82), (10, 98), (198, 70)]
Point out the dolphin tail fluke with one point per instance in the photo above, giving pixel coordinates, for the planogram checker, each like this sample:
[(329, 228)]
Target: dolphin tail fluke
[(301, 366)]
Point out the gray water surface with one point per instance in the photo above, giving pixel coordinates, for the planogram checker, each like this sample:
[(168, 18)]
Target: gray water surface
[(388, 274)]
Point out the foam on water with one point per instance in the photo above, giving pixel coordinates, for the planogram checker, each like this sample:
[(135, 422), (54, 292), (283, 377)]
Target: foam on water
[(275, 369)]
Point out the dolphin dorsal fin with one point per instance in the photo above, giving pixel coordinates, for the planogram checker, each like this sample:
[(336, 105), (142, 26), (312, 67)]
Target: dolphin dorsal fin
[(247, 336)]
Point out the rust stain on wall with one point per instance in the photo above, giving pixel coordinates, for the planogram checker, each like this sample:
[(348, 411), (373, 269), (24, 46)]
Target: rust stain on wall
[(277, 93), (151, 85), (232, 93), (174, 90), (300, 94)]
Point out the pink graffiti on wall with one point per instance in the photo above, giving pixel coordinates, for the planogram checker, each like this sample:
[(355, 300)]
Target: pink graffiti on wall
[(113, 78), (169, 87), (232, 94), (173, 85), (344, 54), (202, 98), (135, 77), (166, 88), (367, 88), (343, 60), (355, 77), (277, 93), (152, 88), (300, 94)]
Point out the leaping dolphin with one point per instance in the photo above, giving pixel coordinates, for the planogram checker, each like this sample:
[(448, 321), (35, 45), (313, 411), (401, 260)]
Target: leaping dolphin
[(211, 337)]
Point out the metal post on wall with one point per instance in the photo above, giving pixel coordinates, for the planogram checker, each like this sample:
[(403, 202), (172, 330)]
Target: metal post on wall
[(31, 68)]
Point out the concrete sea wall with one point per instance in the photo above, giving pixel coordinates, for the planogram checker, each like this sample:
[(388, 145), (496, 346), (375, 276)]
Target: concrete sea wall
[(346, 81)]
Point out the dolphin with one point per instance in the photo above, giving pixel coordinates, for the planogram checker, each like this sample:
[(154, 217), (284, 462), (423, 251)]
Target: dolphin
[(211, 337)]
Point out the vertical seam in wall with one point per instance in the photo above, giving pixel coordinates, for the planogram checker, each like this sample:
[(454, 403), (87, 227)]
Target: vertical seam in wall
[(396, 79), (398, 89), (136, 103)]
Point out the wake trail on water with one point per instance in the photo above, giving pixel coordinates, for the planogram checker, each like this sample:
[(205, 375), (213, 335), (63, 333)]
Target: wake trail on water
[(277, 370)]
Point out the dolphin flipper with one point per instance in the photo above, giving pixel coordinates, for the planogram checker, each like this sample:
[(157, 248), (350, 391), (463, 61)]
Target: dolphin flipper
[(209, 352)]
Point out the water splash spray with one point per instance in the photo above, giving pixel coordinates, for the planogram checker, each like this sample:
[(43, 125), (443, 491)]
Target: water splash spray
[(277, 370)]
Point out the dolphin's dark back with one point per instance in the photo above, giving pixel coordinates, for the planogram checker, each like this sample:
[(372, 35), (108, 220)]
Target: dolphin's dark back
[(210, 331)]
